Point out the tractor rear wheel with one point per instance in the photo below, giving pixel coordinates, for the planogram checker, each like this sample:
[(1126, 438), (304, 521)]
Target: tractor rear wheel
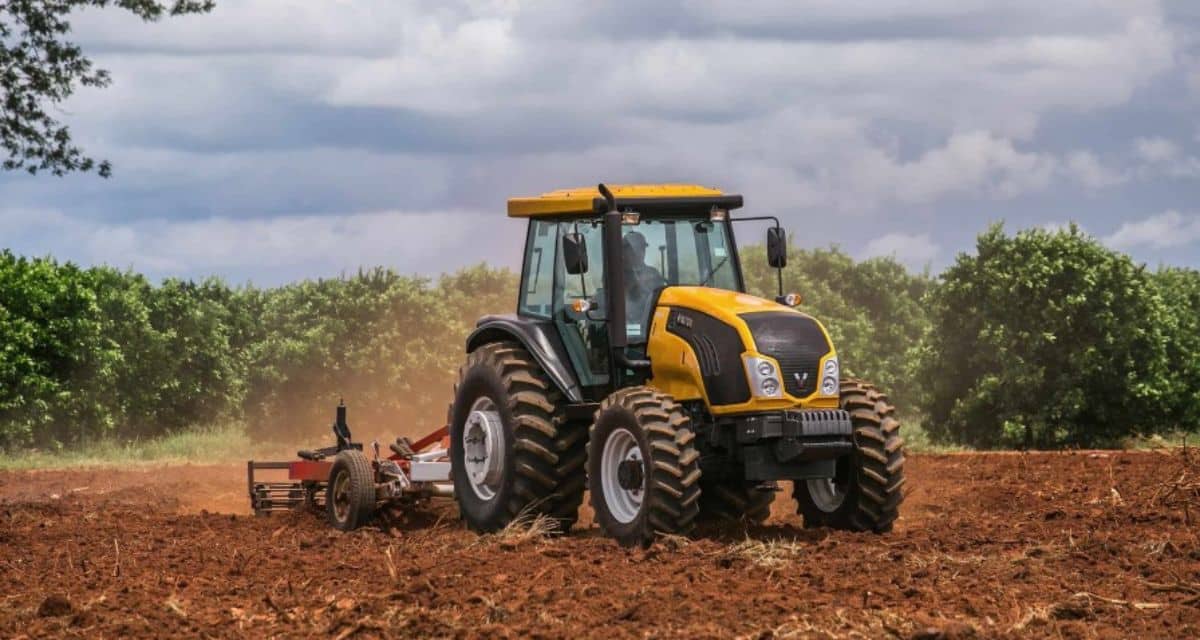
[(350, 494), (865, 493), (643, 467), (511, 450), (732, 500)]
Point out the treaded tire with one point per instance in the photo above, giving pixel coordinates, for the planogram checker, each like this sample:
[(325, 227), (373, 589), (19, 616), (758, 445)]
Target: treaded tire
[(544, 456), (873, 475), (356, 506), (671, 465), (732, 500)]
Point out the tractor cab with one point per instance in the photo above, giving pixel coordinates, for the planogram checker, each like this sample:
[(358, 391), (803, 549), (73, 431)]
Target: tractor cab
[(670, 236)]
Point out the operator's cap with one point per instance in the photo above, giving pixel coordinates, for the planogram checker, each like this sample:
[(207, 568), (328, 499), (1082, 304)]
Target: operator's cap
[(635, 239)]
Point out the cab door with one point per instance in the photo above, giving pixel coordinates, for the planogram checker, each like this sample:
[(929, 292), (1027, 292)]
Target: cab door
[(583, 332)]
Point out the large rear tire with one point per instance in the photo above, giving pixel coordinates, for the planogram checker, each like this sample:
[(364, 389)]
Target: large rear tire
[(643, 467), (511, 450), (866, 493), (350, 494)]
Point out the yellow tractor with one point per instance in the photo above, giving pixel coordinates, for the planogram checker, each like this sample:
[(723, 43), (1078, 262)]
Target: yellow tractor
[(638, 368)]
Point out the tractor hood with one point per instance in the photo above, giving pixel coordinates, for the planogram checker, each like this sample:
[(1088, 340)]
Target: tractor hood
[(701, 339), (720, 303)]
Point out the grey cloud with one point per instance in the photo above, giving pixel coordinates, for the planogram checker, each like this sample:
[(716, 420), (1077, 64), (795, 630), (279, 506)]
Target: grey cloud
[(274, 250), (826, 20), (1167, 229), (293, 124)]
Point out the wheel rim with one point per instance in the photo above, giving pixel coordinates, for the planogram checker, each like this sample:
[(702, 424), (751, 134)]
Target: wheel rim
[(483, 448), (624, 502), (341, 496), (826, 494)]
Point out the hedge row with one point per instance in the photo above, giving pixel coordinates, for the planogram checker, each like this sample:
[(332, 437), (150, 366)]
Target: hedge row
[(1038, 339)]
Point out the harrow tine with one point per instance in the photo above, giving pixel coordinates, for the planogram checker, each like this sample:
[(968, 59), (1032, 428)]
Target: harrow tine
[(268, 497)]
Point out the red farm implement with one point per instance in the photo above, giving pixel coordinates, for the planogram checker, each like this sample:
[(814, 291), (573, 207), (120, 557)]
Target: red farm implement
[(348, 485)]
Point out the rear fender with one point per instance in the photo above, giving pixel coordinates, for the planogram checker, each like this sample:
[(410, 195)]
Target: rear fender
[(540, 338)]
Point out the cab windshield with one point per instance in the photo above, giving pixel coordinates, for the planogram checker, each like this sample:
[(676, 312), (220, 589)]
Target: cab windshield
[(689, 251), (657, 252)]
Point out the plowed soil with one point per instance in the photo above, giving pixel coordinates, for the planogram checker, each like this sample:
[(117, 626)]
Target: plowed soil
[(1076, 545)]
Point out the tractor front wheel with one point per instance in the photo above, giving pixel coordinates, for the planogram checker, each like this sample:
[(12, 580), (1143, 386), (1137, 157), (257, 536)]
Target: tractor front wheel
[(643, 467), (350, 495), (865, 493)]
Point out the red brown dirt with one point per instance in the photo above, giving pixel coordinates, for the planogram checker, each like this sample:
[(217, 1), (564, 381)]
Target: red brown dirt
[(1077, 545)]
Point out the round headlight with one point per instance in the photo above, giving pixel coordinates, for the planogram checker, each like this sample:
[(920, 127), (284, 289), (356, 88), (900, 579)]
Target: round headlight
[(770, 387), (829, 386), (765, 368), (831, 368)]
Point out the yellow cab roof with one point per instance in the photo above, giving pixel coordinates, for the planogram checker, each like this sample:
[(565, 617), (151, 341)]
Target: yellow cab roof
[(584, 199)]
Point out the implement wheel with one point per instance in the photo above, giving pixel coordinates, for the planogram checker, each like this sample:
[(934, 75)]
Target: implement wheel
[(865, 493), (350, 495), (643, 467)]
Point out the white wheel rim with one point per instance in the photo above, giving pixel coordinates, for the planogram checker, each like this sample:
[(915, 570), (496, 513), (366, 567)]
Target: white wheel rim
[(483, 448), (826, 494), (623, 504), (341, 497)]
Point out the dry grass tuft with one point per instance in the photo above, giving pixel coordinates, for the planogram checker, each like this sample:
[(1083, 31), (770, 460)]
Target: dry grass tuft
[(525, 529), (768, 554), (1182, 493), (673, 542)]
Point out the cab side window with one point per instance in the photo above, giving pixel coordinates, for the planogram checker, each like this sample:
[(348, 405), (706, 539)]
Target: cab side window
[(584, 285), (537, 279), (584, 334)]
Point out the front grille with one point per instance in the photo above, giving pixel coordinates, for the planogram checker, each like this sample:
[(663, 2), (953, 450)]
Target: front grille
[(796, 341)]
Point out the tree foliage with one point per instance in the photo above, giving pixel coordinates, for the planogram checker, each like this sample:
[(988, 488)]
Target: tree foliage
[(388, 342), (40, 68), (1040, 339), (1045, 339), (1180, 291), (90, 353)]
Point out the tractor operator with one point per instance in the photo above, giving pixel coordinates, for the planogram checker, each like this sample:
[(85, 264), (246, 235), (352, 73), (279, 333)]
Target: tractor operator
[(641, 279)]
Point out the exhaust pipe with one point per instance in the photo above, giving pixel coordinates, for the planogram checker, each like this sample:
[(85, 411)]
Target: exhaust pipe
[(614, 276)]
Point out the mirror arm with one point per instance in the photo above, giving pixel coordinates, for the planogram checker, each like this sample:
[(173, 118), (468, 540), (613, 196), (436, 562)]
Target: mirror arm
[(778, 270), (779, 275)]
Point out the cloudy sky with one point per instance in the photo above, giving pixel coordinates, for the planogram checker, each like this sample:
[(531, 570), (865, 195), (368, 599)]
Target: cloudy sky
[(279, 139)]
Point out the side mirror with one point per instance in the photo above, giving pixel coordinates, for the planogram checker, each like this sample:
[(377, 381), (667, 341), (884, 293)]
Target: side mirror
[(777, 247), (575, 257)]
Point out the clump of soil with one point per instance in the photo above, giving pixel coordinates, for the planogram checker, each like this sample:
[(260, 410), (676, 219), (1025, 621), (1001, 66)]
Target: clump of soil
[(53, 606)]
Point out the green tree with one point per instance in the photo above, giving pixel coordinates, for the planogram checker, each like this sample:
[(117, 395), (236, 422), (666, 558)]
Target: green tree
[(51, 354), (1180, 290), (1044, 339), (389, 344), (40, 68)]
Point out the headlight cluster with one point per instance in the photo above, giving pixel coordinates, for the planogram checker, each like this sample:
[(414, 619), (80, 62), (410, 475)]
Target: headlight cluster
[(764, 378), (829, 378)]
